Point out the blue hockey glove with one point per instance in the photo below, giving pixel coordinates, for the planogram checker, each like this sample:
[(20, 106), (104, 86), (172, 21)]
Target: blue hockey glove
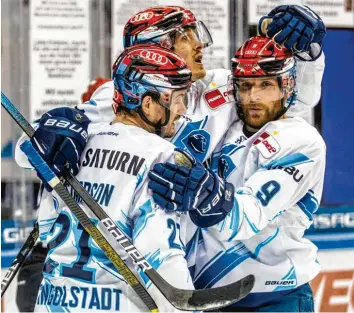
[(60, 138), (206, 196), (293, 26)]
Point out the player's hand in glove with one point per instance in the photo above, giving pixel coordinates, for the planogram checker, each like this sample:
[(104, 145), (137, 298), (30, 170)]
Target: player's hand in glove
[(294, 26), (193, 188), (60, 138)]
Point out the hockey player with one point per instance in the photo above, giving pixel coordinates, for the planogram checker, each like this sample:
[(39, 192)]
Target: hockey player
[(151, 95), (266, 183)]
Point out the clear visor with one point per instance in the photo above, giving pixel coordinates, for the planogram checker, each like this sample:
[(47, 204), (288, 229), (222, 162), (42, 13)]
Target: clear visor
[(196, 31), (178, 101), (267, 89)]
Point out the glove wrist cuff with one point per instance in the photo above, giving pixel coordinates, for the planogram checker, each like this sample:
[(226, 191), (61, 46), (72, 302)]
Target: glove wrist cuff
[(312, 55)]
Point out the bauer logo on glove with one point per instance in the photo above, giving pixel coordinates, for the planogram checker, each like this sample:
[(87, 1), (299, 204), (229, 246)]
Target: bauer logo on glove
[(68, 125)]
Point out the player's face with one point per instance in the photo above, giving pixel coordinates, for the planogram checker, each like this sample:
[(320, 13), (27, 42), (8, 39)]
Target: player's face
[(261, 100), (190, 49), (177, 107)]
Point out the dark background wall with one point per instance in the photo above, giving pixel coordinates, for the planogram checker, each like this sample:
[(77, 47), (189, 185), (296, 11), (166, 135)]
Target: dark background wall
[(338, 116)]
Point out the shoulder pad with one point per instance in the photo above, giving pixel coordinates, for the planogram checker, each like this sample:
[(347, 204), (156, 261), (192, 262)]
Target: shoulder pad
[(99, 107), (286, 135)]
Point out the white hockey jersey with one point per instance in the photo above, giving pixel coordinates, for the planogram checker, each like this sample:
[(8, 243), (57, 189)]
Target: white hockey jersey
[(78, 276), (278, 177)]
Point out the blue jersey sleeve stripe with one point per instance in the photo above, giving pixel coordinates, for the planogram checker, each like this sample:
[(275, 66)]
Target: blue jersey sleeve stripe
[(287, 161), (92, 102), (210, 262), (235, 220), (205, 121), (252, 225), (264, 243), (227, 261), (308, 204), (192, 244), (140, 222), (288, 275)]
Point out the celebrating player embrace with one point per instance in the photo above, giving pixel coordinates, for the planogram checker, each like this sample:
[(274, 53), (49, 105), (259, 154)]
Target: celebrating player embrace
[(247, 213)]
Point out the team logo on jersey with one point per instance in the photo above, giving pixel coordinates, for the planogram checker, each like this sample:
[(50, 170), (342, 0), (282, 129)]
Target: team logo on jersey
[(267, 145), (198, 142), (214, 98), (240, 139)]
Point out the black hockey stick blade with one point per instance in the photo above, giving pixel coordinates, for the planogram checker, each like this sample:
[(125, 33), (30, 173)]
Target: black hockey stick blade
[(205, 299)]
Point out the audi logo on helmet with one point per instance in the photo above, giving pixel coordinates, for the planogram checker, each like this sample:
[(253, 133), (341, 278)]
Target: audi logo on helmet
[(251, 52), (142, 17), (153, 56)]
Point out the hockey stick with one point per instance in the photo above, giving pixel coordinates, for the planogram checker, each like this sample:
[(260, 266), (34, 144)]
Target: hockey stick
[(20, 259), (207, 299)]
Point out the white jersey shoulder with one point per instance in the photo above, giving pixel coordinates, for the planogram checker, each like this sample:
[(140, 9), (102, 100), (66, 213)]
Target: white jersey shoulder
[(115, 164), (219, 76), (99, 108)]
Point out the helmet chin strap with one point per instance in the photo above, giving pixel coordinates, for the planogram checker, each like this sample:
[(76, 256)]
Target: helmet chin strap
[(158, 126)]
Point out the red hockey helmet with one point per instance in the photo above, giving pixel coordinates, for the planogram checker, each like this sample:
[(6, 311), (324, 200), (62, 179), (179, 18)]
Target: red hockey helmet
[(149, 69), (261, 57), (158, 25)]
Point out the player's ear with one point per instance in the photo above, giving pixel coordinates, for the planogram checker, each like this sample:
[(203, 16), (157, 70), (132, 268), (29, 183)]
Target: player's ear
[(146, 105)]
